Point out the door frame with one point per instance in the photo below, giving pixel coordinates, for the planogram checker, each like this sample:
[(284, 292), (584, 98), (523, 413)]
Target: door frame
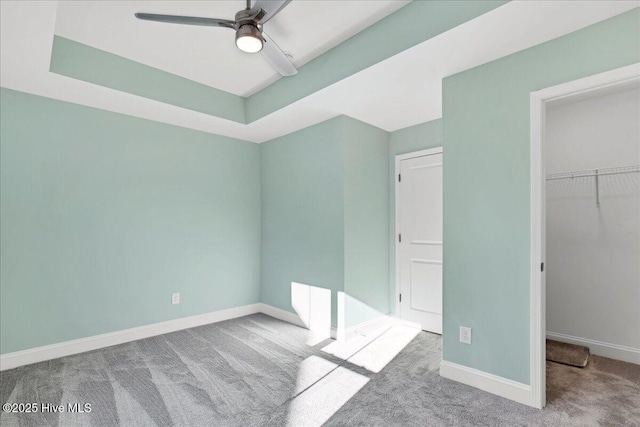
[(538, 103), (399, 158)]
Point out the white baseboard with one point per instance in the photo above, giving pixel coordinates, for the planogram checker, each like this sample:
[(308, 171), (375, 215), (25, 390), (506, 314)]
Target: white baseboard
[(600, 348), (81, 345), (68, 348), (503, 387), (281, 314), (289, 317), (334, 333)]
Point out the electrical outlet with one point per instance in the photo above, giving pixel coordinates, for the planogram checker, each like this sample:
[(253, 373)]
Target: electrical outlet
[(465, 335), (175, 298)]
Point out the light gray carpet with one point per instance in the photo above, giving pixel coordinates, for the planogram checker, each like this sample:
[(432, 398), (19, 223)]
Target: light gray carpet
[(244, 372)]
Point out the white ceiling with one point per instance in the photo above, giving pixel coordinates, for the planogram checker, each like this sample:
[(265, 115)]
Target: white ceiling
[(401, 91), (305, 29)]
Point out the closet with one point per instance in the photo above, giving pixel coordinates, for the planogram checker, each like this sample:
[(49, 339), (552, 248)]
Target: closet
[(592, 162)]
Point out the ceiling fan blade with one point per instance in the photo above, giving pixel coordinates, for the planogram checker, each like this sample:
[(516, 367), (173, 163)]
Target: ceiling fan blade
[(271, 7), (188, 20), (277, 58)]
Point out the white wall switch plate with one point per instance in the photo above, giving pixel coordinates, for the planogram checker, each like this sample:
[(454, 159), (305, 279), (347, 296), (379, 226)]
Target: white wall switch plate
[(175, 298), (465, 335)]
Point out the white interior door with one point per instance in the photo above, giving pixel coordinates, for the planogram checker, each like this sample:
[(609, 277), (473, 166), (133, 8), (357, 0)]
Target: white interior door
[(420, 240)]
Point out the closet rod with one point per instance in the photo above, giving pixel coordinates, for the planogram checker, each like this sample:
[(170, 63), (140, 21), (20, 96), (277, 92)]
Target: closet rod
[(594, 172)]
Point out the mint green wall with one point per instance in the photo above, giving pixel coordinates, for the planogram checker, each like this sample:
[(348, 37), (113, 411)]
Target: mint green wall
[(82, 62), (415, 138), (103, 213), (487, 188), (302, 212), (366, 221), (103, 216), (325, 215)]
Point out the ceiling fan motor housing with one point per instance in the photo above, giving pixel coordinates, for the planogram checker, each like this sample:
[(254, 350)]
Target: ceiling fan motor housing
[(249, 31), (249, 17)]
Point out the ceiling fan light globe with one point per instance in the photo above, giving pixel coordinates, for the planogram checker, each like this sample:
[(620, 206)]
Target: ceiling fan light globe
[(249, 39)]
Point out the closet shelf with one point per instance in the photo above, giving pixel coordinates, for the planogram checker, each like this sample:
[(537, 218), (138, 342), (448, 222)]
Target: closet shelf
[(594, 172)]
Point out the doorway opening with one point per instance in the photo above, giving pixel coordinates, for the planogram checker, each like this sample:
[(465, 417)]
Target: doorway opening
[(585, 201)]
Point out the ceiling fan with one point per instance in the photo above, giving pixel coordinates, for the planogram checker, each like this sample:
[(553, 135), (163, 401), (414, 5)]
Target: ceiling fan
[(248, 24)]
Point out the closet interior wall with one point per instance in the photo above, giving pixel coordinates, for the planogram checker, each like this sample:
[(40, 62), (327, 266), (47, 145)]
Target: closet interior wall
[(593, 252)]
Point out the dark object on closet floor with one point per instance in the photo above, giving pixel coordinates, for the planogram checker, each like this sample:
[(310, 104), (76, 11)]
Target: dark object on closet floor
[(568, 354)]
